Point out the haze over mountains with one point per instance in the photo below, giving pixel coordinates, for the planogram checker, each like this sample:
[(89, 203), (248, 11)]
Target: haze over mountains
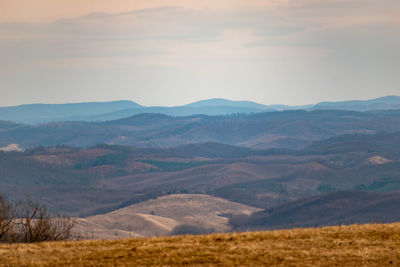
[(103, 111), (285, 129), (167, 117), (283, 162)]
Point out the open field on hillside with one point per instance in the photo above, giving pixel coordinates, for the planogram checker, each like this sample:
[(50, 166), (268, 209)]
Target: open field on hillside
[(158, 217), (357, 245)]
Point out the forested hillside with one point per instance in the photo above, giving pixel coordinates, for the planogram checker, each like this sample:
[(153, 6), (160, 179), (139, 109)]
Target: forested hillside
[(288, 129), (102, 178)]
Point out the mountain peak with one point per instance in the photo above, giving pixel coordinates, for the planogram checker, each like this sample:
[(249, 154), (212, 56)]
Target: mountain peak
[(225, 102)]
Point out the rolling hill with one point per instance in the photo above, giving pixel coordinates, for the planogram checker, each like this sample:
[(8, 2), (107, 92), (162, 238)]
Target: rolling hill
[(103, 178), (286, 129), (381, 142), (160, 216), (344, 207)]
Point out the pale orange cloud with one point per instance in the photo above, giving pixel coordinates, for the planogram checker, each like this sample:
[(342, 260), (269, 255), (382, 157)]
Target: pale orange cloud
[(317, 10), (185, 50), (45, 10)]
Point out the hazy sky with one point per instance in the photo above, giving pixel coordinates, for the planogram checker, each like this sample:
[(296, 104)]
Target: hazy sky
[(172, 52)]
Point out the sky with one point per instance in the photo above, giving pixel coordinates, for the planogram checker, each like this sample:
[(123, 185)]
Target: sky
[(173, 52)]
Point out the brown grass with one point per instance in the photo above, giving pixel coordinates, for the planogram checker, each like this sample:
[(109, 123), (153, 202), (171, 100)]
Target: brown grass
[(158, 217), (357, 245)]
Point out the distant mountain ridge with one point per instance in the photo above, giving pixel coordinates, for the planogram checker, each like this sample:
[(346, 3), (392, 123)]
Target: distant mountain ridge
[(104, 111), (285, 130), (382, 103), (42, 113)]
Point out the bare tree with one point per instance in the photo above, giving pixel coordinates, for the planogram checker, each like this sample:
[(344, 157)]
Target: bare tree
[(7, 217), (31, 223), (36, 225)]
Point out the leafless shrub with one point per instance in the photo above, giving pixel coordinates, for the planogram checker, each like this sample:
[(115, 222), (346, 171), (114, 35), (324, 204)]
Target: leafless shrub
[(31, 223), (7, 216), (36, 225)]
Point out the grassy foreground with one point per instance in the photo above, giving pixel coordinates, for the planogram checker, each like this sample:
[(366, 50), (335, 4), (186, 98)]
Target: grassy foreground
[(357, 245)]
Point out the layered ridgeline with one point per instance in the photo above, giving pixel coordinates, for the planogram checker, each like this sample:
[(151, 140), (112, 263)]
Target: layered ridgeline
[(103, 111), (276, 163), (104, 178), (286, 129)]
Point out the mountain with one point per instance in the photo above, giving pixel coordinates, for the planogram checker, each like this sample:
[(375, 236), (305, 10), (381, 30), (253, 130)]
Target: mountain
[(285, 130), (41, 113), (162, 215), (179, 111), (7, 125), (382, 103), (346, 207), (97, 111), (225, 102), (102, 111)]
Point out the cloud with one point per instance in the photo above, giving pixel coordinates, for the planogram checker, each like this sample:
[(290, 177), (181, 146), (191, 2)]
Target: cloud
[(260, 49), (367, 36), (341, 4)]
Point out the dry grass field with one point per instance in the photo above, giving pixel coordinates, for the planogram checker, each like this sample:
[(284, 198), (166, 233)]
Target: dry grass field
[(157, 217), (357, 245)]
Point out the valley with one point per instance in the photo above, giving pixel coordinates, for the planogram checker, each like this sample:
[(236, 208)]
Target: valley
[(293, 168), (98, 180), (295, 129), (216, 133)]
